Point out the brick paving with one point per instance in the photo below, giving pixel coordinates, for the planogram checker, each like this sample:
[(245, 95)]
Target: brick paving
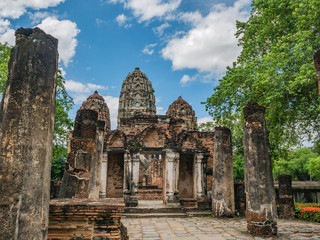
[(206, 228)]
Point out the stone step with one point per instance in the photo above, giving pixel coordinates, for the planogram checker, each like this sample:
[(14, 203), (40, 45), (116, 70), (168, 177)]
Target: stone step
[(155, 215), (154, 210), (199, 213)]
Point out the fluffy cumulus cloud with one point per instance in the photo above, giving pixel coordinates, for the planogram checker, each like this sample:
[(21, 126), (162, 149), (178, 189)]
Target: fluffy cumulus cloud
[(112, 103), (210, 44), (16, 8), (78, 87), (6, 33), (146, 10), (66, 32)]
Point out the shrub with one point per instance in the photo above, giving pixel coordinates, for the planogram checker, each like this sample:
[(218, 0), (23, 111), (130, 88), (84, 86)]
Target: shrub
[(308, 211)]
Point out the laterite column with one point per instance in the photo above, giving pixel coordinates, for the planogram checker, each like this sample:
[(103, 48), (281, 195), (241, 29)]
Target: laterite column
[(26, 130), (261, 211), (286, 204), (223, 187)]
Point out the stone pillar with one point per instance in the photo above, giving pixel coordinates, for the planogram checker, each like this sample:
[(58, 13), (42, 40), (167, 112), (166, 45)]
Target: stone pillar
[(317, 65), (260, 194), (286, 203), (200, 163), (131, 178), (95, 182), (223, 187), (126, 173), (172, 178), (199, 175), (26, 130), (103, 176)]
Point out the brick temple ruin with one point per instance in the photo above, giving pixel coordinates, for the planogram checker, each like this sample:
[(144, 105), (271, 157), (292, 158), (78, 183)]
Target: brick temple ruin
[(148, 157)]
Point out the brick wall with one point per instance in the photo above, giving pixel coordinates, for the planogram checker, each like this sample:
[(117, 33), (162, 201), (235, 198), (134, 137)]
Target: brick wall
[(86, 219)]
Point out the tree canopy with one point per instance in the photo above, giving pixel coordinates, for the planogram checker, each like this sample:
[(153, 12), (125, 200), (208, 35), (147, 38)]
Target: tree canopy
[(276, 69), (62, 122)]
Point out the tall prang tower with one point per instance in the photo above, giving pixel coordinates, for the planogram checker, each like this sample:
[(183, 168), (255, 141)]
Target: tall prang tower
[(136, 96)]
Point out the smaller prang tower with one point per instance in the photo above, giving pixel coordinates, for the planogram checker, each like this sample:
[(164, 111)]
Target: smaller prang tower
[(180, 109), (136, 96)]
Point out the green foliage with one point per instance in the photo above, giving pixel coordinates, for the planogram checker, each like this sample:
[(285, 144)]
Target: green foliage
[(308, 211), (59, 156), (275, 69), (206, 127), (62, 123), (4, 59), (238, 167), (313, 168), (298, 165), (235, 124)]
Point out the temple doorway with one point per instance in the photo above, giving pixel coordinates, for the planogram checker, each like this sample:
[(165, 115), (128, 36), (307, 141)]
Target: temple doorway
[(151, 176), (115, 172), (186, 176)]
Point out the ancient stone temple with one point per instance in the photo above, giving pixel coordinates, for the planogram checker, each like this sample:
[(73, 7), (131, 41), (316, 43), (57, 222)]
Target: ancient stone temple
[(148, 157), (136, 96)]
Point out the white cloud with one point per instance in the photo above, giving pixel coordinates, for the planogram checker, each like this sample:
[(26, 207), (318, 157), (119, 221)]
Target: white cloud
[(38, 16), (6, 33), (193, 18), (121, 19), (159, 30), (16, 8), (210, 46), (146, 10), (148, 49), (161, 111), (74, 86), (63, 72), (66, 32), (204, 120), (112, 103), (187, 79)]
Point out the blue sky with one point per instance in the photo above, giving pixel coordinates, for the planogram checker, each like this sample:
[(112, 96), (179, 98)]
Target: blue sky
[(183, 46)]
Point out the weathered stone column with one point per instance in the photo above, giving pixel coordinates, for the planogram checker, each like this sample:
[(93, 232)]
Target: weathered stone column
[(317, 65), (286, 203), (26, 129), (95, 181), (131, 178), (223, 187), (103, 176), (126, 172), (199, 174), (261, 206), (172, 177)]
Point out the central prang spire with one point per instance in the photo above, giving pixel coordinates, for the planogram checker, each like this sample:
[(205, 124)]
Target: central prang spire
[(136, 96)]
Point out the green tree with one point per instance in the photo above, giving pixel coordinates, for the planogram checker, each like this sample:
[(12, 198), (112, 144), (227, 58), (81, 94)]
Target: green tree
[(62, 123), (4, 59), (275, 69), (313, 168), (297, 164)]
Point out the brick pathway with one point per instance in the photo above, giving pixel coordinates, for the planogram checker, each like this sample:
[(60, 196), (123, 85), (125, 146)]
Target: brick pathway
[(206, 228)]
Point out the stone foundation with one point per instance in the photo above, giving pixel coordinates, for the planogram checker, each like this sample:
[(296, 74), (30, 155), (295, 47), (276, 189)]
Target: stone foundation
[(150, 194), (86, 219)]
